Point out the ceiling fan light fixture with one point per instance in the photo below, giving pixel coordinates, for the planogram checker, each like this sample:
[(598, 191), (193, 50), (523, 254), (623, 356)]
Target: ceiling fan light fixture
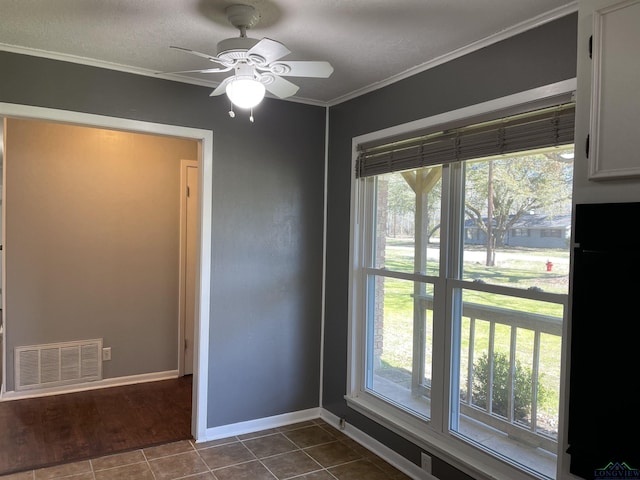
[(258, 65), (245, 92)]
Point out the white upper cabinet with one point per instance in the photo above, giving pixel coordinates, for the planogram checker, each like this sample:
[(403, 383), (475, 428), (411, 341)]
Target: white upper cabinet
[(611, 60)]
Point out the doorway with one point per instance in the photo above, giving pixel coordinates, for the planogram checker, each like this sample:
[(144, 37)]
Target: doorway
[(202, 282)]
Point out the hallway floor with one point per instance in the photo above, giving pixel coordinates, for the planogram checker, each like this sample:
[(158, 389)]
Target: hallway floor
[(312, 450), (51, 430)]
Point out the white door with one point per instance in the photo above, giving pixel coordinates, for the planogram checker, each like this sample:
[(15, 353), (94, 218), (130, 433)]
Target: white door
[(188, 264)]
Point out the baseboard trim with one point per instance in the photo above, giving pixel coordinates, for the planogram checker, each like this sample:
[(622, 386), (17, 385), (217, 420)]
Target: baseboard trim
[(259, 424), (241, 428), (390, 456), (104, 383)]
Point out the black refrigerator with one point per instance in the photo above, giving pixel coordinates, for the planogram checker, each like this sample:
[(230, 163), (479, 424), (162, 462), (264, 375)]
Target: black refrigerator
[(604, 403)]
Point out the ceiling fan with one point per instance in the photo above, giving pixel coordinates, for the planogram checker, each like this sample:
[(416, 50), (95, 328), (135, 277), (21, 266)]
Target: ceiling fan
[(256, 64)]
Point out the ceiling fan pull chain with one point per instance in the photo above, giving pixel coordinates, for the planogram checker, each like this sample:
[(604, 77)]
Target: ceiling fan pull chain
[(232, 114), (251, 115)]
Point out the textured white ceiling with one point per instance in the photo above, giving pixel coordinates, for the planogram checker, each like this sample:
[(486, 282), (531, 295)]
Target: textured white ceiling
[(368, 42)]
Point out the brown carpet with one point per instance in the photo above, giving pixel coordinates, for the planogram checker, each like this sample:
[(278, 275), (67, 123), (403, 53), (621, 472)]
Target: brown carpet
[(57, 429)]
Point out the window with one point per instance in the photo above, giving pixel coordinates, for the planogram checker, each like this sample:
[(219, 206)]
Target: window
[(551, 233), (457, 303)]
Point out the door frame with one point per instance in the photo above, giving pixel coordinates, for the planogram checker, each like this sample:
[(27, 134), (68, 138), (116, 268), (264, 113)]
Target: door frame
[(203, 266), (182, 275)]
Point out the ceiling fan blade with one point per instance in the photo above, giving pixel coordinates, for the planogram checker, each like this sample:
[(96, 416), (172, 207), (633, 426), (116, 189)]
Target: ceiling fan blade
[(199, 54), (269, 49), (208, 70), (222, 88), (306, 69), (281, 87)]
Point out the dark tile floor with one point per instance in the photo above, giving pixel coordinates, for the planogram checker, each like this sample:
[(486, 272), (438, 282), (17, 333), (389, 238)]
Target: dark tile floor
[(311, 450)]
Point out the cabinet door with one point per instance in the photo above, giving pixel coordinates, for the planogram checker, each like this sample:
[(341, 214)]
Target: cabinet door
[(615, 102)]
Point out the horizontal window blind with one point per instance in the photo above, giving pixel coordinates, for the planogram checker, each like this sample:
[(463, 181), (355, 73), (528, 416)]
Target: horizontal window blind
[(541, 128)]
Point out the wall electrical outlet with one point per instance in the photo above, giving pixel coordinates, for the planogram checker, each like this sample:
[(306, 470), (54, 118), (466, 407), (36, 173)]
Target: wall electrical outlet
[(425, 462), (106, 353)]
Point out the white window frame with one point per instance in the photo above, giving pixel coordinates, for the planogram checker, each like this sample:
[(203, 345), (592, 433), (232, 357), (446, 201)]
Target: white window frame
[(432, 436)]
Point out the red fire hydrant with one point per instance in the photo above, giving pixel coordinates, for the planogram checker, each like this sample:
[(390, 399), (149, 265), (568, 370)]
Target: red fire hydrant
[(549, 265)]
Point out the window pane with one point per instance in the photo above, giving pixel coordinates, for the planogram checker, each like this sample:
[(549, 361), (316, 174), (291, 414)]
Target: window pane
[(509, 377), (399, 341), (526, 243), (407, 221)]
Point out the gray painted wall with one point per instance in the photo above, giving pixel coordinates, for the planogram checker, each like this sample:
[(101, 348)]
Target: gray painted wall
[(532, 59), (268, 192)]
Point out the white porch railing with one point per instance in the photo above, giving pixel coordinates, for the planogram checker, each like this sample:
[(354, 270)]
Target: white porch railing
[(530, 431)]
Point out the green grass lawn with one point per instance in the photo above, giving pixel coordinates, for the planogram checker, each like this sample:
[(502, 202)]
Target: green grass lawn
[(525, 272)]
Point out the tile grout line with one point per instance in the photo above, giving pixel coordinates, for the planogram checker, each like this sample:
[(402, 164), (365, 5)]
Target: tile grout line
[(267, 469), (146, 459), (93, 472)]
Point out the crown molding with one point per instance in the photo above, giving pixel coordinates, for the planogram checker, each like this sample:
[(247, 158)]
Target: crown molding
[(502, 35), (485, 42)]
